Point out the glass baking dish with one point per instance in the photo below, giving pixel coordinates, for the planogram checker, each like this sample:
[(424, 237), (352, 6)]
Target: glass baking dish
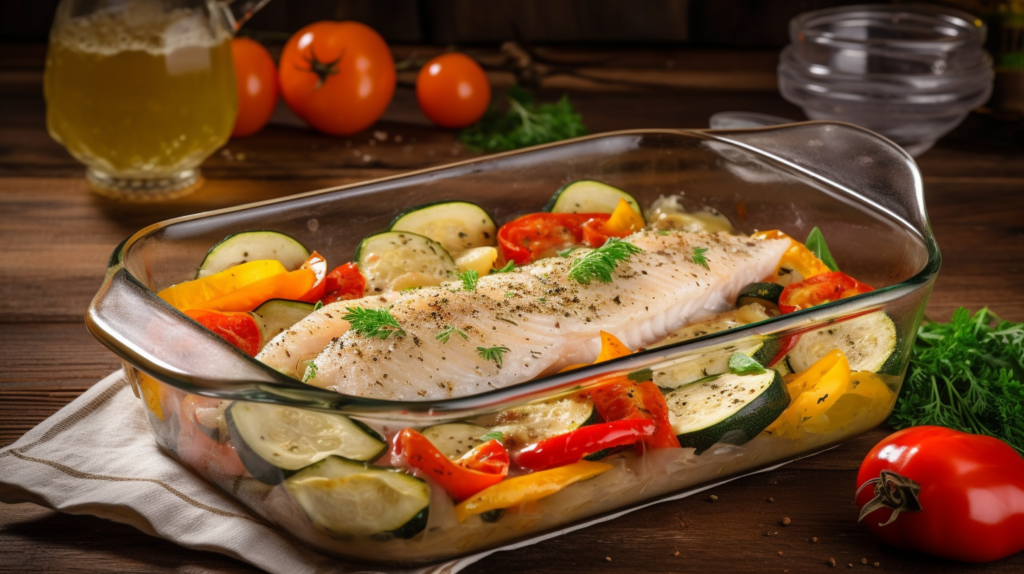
[(863, 191)]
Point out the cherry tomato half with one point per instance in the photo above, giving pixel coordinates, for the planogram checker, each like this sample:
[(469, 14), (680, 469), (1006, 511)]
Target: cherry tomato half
[(525, 239), (453, 90), (239, 329), (338, 76), (820, 289), (256, 80), (344, 283)]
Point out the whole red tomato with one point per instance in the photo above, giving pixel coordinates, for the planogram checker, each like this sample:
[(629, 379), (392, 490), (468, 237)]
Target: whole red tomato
[(945, 493), (256, 81), (453, 90), (338, 76)]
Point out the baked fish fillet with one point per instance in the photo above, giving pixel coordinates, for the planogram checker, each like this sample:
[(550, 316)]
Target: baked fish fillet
[(544, 319)]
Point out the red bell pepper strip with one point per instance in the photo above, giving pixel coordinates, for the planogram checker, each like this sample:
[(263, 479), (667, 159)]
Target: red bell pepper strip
[(944, 492), (318, 265), (625, 399), (480, 468), (344, 283), (820, 289), (239, 329), (573, 446), (524, 239)]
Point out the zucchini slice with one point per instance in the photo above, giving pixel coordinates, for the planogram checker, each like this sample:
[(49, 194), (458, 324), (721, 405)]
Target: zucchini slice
[(456, 225), (274, 441), (455, 439), (350, 498), (870, 343), (278, 315), (714, 362), (535, 422), (767, 294), (397, 260), (253, 246), (731, 409), (588, 196)]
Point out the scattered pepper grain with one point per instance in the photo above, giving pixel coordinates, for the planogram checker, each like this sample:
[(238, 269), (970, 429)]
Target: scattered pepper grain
[(786, 521), (876, 564), (607, 558), (832, 562), (814, 539), (770, 499), (713, 498), (676, 553), (863, 560)]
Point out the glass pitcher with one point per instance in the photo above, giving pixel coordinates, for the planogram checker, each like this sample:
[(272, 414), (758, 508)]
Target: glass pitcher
[(142, 91)]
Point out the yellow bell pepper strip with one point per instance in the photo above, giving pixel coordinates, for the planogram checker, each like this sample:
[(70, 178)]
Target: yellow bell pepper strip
[(292, 285), (868, 397), (798, 257), (611, 348), (528, 488), (623, 221), (814, 391), (190, 294)]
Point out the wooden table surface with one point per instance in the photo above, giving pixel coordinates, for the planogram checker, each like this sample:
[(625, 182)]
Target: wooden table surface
[(56, 237)]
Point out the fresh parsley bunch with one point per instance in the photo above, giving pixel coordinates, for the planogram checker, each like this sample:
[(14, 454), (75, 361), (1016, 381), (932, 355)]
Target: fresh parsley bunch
[(967, 375), (524, 124)]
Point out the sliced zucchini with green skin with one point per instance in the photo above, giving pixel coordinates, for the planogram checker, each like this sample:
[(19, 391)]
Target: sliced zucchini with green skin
[(731, 409), (455, 439), (349, 498), (782, 366), (274, 441), (766, 294), (278, 315), (714, 362), (456, 225), (399, 260), (870, 343), (253, 246), (589, 196), (525, 425)]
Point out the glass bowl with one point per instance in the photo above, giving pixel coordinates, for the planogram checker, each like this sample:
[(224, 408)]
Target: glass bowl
[(912, 73), (860, 189)]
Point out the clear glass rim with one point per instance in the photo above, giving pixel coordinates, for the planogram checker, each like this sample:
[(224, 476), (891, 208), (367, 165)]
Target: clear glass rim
[(972, 30), (559, 383)]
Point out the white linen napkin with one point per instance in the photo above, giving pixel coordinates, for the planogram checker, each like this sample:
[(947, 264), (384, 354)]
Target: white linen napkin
[(97, 456)]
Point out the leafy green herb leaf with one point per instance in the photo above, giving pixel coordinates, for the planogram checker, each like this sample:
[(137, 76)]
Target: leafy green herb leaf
[(742, 364), (816, 243), (469, 278), (448, 331), (599, 263), (524, 124), (508, 267), (493, 435), (698, 257), (492, 353), (310, 372), (664, 232), (319, 305), (373, 323), (566, 252), (968, 375)]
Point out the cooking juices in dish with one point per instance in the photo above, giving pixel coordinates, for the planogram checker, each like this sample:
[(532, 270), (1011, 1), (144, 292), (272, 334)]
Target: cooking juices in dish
[(446, 303)]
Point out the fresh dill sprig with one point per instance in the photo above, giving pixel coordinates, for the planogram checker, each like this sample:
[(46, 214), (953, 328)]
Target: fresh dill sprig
[(319, 305), (508, 267), (599, 263), (492, 353), (566, 252), (493, 435), (698, 257), (469, 278), (373, 323), (448, 331), (310, 373)]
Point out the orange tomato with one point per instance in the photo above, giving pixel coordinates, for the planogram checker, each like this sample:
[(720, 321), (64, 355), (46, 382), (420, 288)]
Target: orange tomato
[(256, 80), (337, 76), (453, 90)]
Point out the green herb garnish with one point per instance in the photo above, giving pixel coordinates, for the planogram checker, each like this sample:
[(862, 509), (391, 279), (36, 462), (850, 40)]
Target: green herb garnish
[(493, 435), (599, 263), (524, 124), (319, 305), (508, 267), (816, 243), (373, 323), (448, 331), (664, 232), (968, 375), (566, 252), (310, 372), (742, 364), (492, 353), (469, 278), (698, 257), (641, 376)]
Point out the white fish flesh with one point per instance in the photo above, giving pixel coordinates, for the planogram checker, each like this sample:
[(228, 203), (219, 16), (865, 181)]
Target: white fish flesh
[(545, 320)]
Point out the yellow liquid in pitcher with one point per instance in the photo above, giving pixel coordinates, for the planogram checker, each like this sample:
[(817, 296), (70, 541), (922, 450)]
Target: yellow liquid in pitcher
[(138, 99)]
